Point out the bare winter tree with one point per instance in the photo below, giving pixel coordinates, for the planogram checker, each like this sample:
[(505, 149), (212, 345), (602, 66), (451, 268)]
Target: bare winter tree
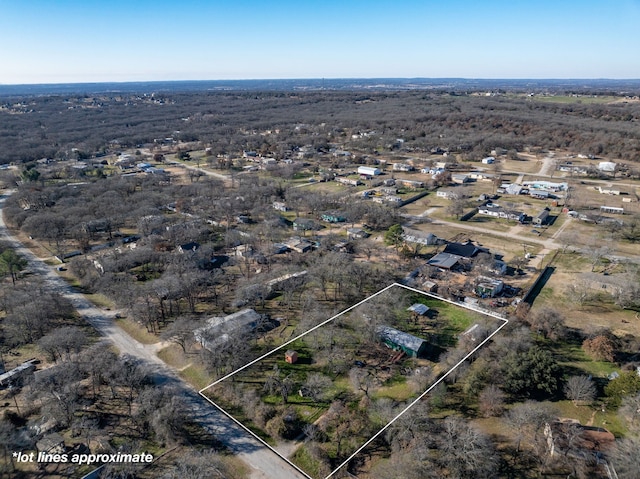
[(60, 389), (465, 451), (63, 343), (363, 380), (548, 322), (279, 383), (527, 421), (180, 332), (627, 457), (491, 401), (580, 389), (316, 386), (579, 292), (196, 465), (630, 411), (412, 428)]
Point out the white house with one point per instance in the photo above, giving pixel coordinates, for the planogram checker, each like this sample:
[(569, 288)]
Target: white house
[(368, 171), (460, 178), (448, 194), (492, 209), (402, 167), (488, 160), (218, 329), (607, 166)]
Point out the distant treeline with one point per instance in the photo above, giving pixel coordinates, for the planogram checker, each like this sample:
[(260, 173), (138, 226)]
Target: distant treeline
[(81, 126)]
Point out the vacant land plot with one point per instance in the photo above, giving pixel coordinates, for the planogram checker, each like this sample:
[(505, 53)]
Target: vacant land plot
[(326, 385)]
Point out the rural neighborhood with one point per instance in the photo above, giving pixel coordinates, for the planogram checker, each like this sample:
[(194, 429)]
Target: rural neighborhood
[(322, 284)]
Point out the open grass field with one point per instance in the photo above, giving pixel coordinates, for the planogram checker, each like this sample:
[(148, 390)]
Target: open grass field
[(173, 356), (528, 165), (136, 331), (597, 312), (577, 99), (196, 376), (591, 416)]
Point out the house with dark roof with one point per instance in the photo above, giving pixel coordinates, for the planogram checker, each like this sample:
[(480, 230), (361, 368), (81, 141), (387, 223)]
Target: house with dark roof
[(357, 233), (189, 247), (466, 250), (542, 218), (401, 341), (299, 245)]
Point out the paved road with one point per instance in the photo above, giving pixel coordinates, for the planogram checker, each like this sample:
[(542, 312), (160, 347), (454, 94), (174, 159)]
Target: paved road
[(265, 463), (547, 243)]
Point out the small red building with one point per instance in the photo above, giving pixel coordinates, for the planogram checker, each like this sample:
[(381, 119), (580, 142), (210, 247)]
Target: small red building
[(291, 356)]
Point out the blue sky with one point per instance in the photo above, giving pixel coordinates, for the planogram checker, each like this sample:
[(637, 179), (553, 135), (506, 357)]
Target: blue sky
[(56, 41)]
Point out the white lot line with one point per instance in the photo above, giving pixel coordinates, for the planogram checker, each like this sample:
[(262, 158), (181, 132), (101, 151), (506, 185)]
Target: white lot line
[(442, 378), (504, 323)]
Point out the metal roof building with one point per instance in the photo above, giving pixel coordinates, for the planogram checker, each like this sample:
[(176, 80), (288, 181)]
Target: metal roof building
[(218, 328), (418, 308), (401, 341), (444, 260)]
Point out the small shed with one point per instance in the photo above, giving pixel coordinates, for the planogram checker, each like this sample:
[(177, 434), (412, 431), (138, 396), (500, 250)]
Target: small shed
[(291, 356), (430, 286), (418, 308)]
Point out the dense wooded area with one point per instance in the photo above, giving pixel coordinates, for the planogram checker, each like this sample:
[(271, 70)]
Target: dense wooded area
[(79, 126)]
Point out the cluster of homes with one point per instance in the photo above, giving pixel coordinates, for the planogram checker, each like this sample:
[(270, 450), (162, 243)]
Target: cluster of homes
[(460, 257), (536, 189), (131, 165), (603, 167)]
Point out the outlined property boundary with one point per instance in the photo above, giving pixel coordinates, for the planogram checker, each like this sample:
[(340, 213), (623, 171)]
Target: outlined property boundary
[(398, 416)]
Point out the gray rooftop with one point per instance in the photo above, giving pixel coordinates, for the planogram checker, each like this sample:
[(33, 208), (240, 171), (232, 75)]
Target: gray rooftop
[(444, 260), (218, 328), (400, 338), (418, 308)]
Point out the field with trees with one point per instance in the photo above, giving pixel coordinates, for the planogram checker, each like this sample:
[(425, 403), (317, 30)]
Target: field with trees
[(343, 382)]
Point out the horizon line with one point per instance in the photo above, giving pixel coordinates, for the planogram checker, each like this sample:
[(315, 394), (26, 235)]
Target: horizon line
[(416, 78)]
